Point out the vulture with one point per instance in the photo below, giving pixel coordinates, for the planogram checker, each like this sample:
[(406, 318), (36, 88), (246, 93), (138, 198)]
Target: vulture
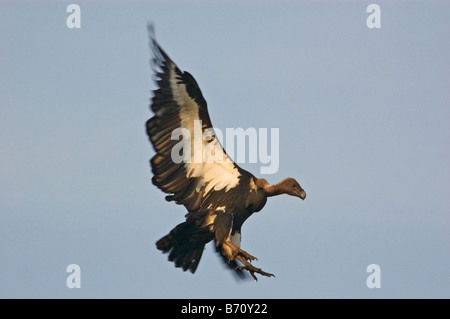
[(218, 195)]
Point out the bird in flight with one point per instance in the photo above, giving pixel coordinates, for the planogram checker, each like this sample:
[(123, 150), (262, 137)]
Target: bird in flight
[(218, 194)]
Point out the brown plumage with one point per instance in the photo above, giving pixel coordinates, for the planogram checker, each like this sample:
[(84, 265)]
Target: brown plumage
[(219, 197)]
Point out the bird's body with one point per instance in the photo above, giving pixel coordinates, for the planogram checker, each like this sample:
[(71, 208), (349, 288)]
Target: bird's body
[(218, 195)]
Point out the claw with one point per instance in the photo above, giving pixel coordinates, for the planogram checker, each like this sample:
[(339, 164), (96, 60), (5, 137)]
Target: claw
[(243, 254), (252, 270), (245, 258)]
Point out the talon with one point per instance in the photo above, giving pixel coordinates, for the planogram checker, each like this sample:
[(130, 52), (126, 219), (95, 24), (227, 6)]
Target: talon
[(252, 270), (245, 258), (243, 254), (246, 255)]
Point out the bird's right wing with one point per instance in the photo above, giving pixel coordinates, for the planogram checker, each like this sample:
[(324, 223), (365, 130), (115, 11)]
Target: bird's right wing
[(192, 168)]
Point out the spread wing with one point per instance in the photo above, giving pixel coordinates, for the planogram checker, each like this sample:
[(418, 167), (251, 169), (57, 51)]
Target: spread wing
[(189, 163)]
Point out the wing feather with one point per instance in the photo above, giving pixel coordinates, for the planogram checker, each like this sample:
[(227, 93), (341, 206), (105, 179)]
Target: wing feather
[(179, 103)]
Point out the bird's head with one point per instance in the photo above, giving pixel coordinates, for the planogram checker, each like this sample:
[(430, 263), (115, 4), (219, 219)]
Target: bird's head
[(287, 186), (291, 187)]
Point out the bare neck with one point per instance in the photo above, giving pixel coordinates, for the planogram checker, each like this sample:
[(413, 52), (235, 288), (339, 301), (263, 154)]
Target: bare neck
[(270, 190), (276, 189), (273, 190)]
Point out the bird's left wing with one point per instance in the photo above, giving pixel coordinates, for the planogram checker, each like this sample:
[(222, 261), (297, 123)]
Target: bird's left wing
[(189, 163)]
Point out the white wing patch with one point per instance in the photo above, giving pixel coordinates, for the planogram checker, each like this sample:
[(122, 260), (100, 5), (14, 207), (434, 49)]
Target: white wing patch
[(216, 169)]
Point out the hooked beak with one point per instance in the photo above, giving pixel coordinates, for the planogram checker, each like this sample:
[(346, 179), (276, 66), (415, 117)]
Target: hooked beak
[(302, 194)]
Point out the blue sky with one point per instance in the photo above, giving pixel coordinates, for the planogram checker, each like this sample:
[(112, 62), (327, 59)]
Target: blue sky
[(363, 117)]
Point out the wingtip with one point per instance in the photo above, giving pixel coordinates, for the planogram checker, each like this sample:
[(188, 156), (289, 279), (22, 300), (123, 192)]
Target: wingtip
[(151, 29), (153, 45), (151, 34)]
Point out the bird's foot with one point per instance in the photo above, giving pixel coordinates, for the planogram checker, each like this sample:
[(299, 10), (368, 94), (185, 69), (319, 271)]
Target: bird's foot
[(246, 255), (252, 270), (243, 254), (246, 265)]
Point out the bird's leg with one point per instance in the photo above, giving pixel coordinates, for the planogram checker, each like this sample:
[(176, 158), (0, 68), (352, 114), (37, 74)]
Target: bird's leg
[(236, 251), (251, 269)]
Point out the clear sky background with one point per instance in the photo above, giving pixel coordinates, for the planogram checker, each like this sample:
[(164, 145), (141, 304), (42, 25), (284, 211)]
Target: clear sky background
[(364, 126)]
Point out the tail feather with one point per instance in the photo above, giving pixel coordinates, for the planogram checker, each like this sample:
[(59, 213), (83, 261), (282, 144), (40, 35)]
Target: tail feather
[(185, 244)]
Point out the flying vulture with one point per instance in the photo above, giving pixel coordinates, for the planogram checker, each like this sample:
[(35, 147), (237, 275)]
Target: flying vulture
[(218, 195)]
